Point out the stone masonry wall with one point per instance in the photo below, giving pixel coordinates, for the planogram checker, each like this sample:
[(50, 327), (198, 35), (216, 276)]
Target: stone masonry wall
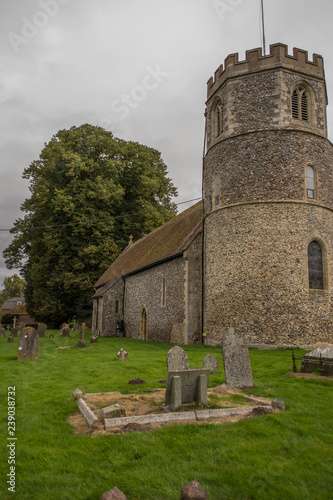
[(144, 290), (269, 165), (193, 292), (257, 273), (263, 101), (110, 316)]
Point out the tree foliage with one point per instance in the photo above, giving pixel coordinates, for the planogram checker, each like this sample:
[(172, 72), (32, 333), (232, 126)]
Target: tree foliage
[(13, 286), (89, 192)]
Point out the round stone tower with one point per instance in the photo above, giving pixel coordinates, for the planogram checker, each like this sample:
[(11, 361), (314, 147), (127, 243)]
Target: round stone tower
[(268, 200)]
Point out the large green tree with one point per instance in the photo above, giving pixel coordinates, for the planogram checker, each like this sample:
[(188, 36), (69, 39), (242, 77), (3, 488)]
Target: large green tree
[(89, 192), (13, 286)]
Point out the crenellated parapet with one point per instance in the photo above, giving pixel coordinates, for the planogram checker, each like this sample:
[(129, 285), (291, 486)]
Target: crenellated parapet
[(255, 62)]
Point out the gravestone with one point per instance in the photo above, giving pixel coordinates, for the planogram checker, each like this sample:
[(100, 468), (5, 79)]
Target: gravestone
[(65, 331), (122, 355), (51, 336), (177, 359), (237, 367), (21, 327), (2, 332), (81, 342), (10, 339), (186, 386), (14, 331), (41, 329), (28, 344), (94, 339), (211, 362)]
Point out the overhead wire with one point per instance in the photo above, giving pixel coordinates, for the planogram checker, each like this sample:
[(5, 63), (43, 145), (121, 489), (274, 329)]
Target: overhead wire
[(124, 216)]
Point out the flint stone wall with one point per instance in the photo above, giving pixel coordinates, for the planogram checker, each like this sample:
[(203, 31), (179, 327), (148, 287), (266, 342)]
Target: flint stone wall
[(107, 315), (262, 287), (263, 101)]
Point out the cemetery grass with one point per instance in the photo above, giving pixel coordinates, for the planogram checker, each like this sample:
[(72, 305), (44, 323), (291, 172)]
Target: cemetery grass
[(285, 455)]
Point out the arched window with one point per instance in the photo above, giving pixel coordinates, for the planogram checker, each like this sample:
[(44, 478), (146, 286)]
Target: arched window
[(300, 104), (310, 182), (315, 265), (217, 119)]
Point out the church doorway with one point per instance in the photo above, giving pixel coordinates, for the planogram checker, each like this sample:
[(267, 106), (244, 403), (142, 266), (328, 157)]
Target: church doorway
[(143, 324)]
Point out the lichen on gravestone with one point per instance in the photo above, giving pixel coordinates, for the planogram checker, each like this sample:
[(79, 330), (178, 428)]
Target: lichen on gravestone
[(236, 360), (177, 359)]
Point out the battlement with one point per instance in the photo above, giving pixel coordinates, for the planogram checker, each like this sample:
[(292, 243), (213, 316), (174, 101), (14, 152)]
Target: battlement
[(256, 62)]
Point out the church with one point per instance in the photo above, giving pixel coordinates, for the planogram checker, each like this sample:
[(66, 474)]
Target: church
[(256, 253)]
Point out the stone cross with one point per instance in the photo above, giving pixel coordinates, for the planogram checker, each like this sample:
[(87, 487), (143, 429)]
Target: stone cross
[(177, 359), (237, 367), (28, 344), (14, 321)]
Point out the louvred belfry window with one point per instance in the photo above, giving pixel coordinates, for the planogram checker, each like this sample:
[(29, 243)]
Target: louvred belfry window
[(218, 128), (300, 104)]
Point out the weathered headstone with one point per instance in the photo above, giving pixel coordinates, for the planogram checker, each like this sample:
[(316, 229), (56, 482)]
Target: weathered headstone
[(2, 332), (51, 336), (193, 491), (14, 331), (177, 359), (211, 362), (237, 367), (186, 386), (122, 355), (10, 339), (65, 332), (28, 344), (41, 329), (113, 494), (21, 327), (81, 342)]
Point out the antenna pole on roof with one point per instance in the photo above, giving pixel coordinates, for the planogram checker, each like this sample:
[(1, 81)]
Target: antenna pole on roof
[(263, 27)]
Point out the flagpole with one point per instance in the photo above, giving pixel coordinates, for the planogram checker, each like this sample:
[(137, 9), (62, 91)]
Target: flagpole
[(263, 27)]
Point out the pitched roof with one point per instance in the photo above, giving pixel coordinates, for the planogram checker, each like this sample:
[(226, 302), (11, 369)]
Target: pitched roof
[(10, 303), (163, 243)]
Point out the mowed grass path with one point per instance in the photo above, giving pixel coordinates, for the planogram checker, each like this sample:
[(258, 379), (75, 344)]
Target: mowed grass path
[(288, 455)]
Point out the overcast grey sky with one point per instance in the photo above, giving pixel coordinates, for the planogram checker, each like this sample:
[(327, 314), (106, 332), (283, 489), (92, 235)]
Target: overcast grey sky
[(68, 62)]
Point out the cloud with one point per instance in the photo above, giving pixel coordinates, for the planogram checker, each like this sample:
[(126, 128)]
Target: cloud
[(88, 54)]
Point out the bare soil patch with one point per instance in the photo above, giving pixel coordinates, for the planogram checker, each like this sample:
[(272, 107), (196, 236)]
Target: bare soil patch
[(145, 404)]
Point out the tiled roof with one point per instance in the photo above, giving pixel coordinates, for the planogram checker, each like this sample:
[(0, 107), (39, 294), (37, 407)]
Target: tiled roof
[(10, 303), (163, 243)]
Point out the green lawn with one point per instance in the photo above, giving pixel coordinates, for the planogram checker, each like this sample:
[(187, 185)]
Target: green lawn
[(281, 456)]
